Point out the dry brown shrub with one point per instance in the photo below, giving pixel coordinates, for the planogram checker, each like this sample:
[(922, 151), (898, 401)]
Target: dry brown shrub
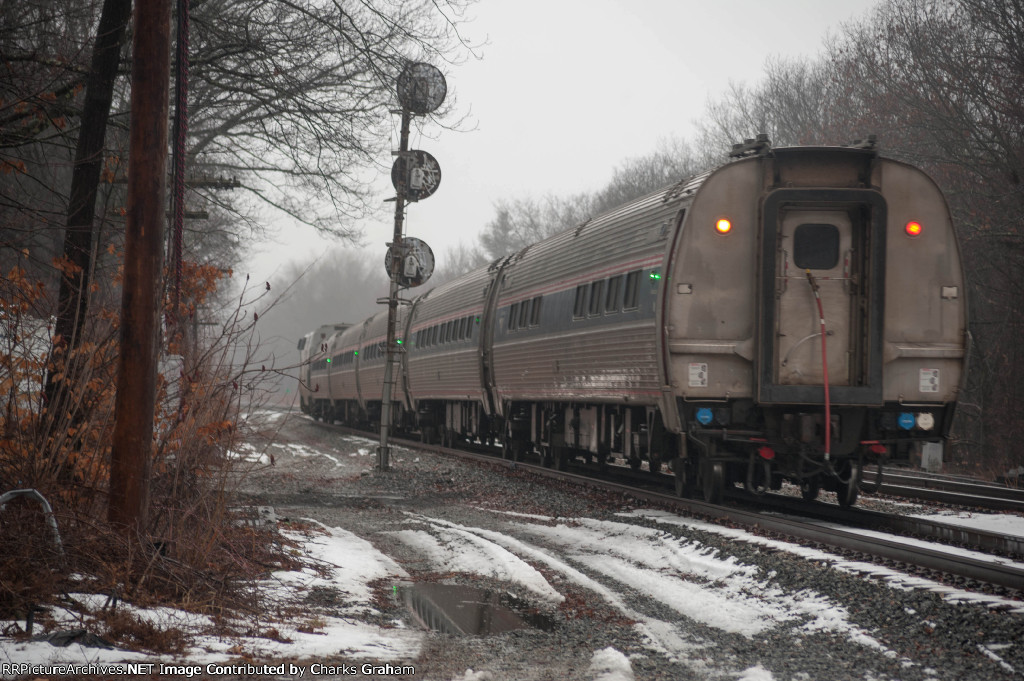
[(192, 550)]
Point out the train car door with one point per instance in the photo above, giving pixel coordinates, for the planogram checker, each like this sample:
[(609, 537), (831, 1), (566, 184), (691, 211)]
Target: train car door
[(819, 241), (838, 235)]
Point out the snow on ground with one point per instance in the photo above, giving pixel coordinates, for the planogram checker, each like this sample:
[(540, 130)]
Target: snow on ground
[(610, 665), (607, 557), (693, 580), (893, 577), (344, 562), (757, 673), (682, 574), (246, 453), (1002, 523), (455, 548)]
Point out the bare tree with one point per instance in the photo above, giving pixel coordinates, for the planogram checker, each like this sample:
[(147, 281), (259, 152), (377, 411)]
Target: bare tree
[(792, 104), (635, 177), (520, 222), (293, 97), (456, 261)]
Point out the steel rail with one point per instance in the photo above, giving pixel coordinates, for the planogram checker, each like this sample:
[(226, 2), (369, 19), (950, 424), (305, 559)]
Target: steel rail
[(959, 492), (960, 535)]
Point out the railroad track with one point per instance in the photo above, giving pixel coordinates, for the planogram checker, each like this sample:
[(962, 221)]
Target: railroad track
[(942, 563), (948, 490)]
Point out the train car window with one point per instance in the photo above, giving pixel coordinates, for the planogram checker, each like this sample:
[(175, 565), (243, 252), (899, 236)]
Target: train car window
[(524, 314), (513, 315), (469, 326), (580, 306), (433, 335), (596, 289), (535, 311), (611, 301), (816, 246), (629, 298)]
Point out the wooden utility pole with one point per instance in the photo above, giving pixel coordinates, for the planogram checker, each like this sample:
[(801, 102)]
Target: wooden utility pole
[(143, 265)]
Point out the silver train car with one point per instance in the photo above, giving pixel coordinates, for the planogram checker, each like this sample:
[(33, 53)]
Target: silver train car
[(797, 314)]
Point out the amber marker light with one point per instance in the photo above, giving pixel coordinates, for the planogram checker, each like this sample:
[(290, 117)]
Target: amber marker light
[(723, 226), (913, 228)]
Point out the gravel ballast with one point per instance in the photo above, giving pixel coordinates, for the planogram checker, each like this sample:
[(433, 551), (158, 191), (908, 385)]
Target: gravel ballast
[(610, 627)]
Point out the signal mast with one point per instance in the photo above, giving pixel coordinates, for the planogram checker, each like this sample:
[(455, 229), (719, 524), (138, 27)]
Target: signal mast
[(409, 261)]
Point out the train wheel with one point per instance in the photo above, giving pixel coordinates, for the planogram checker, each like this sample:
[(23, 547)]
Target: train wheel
[(848, 488), (712, 480), (809, 488), (634, 462), (654, 463)]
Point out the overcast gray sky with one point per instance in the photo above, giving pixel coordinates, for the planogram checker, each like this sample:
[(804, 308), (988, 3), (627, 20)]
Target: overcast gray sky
[(568, 89)]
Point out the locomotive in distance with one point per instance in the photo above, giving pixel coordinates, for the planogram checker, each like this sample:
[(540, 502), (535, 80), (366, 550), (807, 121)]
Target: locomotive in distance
[(796, 314)]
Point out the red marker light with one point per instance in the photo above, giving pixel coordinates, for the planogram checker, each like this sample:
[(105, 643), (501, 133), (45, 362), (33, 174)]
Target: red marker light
[(913, 229), (723, 226)]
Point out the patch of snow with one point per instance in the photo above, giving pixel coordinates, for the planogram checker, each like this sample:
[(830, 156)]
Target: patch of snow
[(471, 675), (346, 563), (989, 651), (245, 452), (610, 665), (756, 673), (691, 579), (890, 576), (1002, 523), (660, 636), (456, 548)]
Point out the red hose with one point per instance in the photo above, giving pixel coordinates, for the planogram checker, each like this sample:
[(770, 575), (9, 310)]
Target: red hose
[(824, 365)]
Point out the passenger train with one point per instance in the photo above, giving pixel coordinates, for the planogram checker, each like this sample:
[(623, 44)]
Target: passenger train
[(796, 314)]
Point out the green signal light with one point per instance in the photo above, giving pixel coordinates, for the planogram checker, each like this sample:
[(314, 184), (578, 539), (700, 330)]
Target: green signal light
[(398, 340), (655, 275), (355, 352), (328, 360)]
